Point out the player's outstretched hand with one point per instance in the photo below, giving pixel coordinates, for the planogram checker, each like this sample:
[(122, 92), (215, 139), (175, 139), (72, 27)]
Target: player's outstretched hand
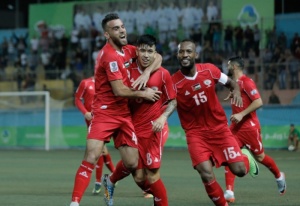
[(151, 95), (236, 99), (141, 81), (228, 96)]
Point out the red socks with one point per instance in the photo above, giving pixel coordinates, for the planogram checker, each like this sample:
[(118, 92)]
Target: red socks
[(108, 162), (215, 193), (229, 179), (160, 193), (271, 165), (119, 173), (99, 169), (82, 180)]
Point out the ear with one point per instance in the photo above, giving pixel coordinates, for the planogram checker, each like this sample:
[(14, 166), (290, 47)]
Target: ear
[(196, 55), (106, 35), (137, 52)]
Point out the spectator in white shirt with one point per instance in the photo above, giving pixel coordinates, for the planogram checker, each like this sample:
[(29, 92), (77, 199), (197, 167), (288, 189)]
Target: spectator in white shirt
[(212, 12)]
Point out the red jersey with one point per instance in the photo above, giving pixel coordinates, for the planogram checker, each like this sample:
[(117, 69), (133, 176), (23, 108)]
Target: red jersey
[(198, 106), (143, 111), (85, 92), (249, 93), (112, 65)]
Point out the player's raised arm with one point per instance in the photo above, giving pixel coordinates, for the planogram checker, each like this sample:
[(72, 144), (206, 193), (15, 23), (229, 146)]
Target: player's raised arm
[(235, 92)]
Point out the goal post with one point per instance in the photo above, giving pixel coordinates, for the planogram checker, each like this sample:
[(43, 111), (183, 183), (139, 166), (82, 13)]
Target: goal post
[(26, 101)]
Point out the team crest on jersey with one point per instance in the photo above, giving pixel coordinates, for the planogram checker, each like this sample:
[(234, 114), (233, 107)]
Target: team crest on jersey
[(207, 82), (253, 92), (196, 87), (91, 87), (113, 66)]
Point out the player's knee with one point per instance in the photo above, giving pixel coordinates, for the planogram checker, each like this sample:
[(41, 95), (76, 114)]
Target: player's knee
[(206, 176), (92, 157), (138, 175), (260, 157), (131, 164), (239, 170)]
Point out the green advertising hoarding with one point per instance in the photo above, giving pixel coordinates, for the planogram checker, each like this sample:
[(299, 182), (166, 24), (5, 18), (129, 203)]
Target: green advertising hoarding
[(55, 16), (249, 12), (274, 137)]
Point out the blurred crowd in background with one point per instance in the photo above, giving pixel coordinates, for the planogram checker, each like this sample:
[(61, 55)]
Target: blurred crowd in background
[(270, 56)]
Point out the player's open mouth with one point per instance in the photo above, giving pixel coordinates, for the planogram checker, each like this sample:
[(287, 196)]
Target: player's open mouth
[(122, 37), (185, 61), (145, 61)]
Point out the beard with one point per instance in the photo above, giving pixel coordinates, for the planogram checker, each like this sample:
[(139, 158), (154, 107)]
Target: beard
[(119, 42), (230, 73), (187, 67)]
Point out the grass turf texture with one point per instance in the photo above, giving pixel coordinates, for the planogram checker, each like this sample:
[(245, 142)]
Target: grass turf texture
[(35, 178)]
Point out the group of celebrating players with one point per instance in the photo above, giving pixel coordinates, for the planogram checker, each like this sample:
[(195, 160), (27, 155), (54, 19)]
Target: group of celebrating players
[(130, 98)]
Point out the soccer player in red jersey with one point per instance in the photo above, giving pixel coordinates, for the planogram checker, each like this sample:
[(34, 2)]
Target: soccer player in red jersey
[(150, 120), (83, 100), (111, 115), (203, 119), (246, 127)]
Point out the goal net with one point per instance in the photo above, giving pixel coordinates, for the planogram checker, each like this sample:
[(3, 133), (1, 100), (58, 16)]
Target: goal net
[(30, 120)]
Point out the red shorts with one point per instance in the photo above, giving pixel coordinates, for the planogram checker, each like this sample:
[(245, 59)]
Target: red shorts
[(221, 147), (104, 126), (151, 148), (251, 139)]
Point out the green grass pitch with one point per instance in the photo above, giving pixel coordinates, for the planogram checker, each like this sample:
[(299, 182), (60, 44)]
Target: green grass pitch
[(40, 178)]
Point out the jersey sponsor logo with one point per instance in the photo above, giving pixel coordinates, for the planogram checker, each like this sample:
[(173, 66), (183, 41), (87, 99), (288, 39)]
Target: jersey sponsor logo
[(186, 93), (113, 66), (253, 92), (207, 82), (196, 87)]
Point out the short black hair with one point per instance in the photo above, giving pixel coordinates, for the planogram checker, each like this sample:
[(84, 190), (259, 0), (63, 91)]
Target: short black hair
[(146, 39), (237, 59), (187, 40), (109, 17), (292, 125)]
